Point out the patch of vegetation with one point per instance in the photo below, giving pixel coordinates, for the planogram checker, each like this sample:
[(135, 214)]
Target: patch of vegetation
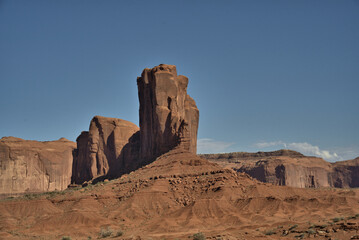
[(320, 226), (105, 232), (66, 238), (311, 231), (300, 236), (269, 232), (119, 233), (199, 236), (337, 219), (293, 227)]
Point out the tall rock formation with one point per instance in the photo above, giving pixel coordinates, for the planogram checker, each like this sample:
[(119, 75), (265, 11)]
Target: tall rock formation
[(108, 148), (168, 115), (31, 166)]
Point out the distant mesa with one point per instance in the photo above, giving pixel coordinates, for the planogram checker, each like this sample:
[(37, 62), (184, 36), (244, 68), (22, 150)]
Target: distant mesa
[(290, 168)]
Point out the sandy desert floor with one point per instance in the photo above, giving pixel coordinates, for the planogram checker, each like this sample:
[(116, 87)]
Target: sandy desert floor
[(180, 195)]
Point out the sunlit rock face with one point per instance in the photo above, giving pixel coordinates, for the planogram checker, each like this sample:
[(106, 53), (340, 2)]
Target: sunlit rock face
[(31, 166)]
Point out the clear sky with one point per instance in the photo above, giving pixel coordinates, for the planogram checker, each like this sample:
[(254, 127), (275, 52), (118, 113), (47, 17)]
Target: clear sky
[(265, 74)]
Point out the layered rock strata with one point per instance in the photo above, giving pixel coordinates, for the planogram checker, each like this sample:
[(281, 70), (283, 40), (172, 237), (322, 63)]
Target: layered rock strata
[(290, 168), (168, 115), (32, 166), (345, 174)]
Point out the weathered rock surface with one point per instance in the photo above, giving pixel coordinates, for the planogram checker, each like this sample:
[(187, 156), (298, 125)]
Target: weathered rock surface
[(108, 148), (168, 115), (345, 174), (32, 166), (290, 168)]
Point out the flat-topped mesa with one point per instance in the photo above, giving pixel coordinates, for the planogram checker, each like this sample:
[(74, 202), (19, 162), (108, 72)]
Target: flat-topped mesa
[(168, 115), (31, 166)]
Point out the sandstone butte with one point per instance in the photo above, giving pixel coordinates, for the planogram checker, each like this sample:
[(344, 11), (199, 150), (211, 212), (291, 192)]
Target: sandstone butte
[(112, 147), (172, 193)]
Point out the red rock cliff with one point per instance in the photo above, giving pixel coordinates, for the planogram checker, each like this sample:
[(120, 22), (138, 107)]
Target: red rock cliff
[(31, 166), (106, 149), (168, 115)]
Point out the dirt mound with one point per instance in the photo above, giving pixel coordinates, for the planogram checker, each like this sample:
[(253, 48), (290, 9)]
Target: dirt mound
[(177, 196)]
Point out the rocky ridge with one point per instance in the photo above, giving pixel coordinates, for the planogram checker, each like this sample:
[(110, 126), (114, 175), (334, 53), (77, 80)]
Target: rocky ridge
[(290, 168)]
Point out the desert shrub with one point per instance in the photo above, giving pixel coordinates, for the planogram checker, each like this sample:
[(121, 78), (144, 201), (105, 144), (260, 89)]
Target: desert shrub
[(311, 231), (300, 236), (337, 219), (270, 232), (199, 236), (105, 232), (119, 233), (292, 227), (66, 238)]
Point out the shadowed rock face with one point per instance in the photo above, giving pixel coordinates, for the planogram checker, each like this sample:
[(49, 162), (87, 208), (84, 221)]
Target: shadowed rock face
[(345, 174), (32, 166), (109, 146), (168, 115)]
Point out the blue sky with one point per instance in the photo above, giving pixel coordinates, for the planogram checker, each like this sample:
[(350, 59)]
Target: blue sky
[(265, 74)]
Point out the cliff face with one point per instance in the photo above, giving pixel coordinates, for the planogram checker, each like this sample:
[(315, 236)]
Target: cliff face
[(32, 166), (168, 115), (108, 147), (345, 174), (290, 168)]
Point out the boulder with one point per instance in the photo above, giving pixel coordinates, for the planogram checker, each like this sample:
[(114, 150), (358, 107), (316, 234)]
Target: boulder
[(168, 115), (32, 166), (106, 149)]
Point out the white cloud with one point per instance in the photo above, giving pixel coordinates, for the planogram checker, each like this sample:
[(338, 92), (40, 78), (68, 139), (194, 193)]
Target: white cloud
[(207, 145), (308, 149), (304, 148)]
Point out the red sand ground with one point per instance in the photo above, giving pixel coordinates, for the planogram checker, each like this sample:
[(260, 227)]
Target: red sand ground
[(177, 196)]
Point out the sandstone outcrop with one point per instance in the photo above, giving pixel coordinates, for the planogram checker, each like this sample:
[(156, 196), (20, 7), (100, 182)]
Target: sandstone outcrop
[(32, 166), (168, 115), (345, 174), (168, 119), (283, 167), (108, 148)]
